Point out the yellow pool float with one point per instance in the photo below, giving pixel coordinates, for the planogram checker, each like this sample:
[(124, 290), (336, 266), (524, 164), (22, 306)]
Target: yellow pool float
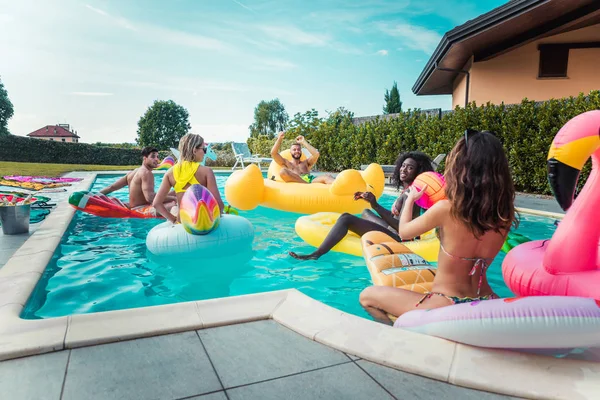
[(247, 189), (391, 263), (314, 228)]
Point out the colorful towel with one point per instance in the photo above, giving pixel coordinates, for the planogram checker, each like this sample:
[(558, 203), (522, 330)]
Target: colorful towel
[(32, 185), (41, 179)]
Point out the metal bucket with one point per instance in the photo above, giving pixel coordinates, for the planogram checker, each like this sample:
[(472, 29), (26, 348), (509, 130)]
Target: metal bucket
[(15, 219)]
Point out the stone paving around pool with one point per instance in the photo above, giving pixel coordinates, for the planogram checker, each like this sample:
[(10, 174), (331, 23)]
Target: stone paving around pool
[(265, 346), (255, 360)]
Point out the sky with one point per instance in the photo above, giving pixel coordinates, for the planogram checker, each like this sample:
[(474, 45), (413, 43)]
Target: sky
[(99, 64)]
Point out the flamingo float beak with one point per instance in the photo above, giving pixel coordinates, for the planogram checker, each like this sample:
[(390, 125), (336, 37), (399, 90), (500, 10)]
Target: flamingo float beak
[(565, 162)]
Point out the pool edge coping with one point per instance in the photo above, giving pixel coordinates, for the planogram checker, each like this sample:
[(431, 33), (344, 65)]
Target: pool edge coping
[(532, 376)]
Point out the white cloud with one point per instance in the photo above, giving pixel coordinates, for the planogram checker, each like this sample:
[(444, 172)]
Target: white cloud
[(274, 64), (123, 22), (156, 33), (383, 52), (346, 49), (293, 35), (94, 94), (97, 10), (413, 36), (243, 6)]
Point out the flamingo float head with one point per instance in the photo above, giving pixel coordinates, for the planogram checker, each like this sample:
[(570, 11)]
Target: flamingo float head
[(572, 146)]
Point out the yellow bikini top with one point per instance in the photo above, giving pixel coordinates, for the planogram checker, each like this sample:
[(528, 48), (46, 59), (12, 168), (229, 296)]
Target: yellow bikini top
[(184, 173)]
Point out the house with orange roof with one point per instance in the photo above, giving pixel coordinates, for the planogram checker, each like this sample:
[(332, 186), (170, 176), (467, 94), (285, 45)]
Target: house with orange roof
[(58, 133)]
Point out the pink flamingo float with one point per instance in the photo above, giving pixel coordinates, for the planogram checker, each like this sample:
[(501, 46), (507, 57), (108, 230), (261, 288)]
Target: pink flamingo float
[(569, 263)]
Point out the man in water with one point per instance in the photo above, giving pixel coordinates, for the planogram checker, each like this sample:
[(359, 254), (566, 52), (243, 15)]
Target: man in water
[(141, 182), (296, 170)]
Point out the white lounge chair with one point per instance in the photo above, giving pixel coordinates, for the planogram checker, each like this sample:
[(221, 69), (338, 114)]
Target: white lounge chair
[(437, 161), (242, 155)]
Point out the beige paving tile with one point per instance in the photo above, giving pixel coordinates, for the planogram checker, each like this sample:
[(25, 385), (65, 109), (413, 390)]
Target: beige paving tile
[(21, 263), (38, 243), (530, 376), (237, 309), (16, 288), (114, 326), (410, 352), (306, 315), (20, 337)]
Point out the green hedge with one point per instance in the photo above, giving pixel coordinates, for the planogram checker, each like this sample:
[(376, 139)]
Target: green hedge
[(23, 149), (526, 131)]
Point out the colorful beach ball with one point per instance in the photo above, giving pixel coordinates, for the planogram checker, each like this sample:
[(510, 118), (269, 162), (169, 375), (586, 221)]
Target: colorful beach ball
[(167, 163), (199, 211), (435, 188)]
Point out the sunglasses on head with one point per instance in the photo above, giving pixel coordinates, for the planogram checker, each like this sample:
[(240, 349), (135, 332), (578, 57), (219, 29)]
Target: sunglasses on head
[(472, 132), (469, 133)]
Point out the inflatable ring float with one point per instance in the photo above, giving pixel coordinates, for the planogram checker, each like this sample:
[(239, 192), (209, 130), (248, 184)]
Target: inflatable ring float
[(569, 263), (542, 322), (314, 228), (247, 189)]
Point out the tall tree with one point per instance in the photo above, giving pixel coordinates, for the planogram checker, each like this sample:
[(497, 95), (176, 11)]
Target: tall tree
[(270, 117), (163, 124), (6, 110), (305, 124), (393, 104)]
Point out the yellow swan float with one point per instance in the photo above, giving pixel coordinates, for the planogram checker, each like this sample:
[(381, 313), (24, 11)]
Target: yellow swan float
[(314, 228), (247, 189)]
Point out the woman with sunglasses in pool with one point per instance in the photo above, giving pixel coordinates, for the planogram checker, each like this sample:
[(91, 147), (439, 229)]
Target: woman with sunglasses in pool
[(472, 225), (408, 166), (186, 172)]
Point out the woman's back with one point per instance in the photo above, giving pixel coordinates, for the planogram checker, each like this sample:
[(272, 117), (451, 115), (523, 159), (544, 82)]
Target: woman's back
[(463, 258)]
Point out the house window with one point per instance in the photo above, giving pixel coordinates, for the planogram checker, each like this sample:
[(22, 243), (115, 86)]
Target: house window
[(52, 139), (64, 140), (554, 60)]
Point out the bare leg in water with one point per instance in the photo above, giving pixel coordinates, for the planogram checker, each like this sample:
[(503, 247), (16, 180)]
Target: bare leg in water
[(346, 222)]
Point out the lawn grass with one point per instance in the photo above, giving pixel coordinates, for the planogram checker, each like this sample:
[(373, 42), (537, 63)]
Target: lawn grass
[(35, 169)]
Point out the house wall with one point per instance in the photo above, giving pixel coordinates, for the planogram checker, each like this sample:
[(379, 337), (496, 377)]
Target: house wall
[(513, 76), (59, 139), (460, 87)]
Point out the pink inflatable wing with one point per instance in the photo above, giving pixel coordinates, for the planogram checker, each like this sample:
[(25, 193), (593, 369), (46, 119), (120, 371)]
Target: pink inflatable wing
[(569, 263), (537, 322)]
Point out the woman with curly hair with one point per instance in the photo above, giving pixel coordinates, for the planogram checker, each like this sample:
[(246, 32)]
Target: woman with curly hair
[(408, 166), (472, 225)]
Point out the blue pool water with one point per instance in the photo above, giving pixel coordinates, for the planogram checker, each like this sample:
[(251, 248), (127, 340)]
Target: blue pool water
[(102, 264)]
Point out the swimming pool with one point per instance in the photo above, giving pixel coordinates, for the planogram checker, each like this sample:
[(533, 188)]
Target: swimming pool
[(102, 264)]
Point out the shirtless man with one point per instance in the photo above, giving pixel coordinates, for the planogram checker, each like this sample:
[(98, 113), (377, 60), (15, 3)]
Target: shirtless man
[(141, 182), (296, 170)]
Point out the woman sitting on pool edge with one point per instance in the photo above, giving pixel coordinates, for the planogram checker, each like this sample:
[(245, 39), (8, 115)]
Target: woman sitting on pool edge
[(472, 226), (185, 173), (408, 166)]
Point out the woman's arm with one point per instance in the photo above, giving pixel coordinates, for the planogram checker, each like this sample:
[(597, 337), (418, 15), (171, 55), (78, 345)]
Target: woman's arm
[(211, 184), (410, 228), (160, 197)]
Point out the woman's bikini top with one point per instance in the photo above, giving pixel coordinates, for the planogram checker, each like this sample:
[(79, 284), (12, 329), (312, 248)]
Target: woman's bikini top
[(184, 173), (479, 263)]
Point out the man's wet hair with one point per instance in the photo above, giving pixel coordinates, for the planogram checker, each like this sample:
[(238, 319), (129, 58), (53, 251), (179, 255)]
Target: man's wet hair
[(146, 151)]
